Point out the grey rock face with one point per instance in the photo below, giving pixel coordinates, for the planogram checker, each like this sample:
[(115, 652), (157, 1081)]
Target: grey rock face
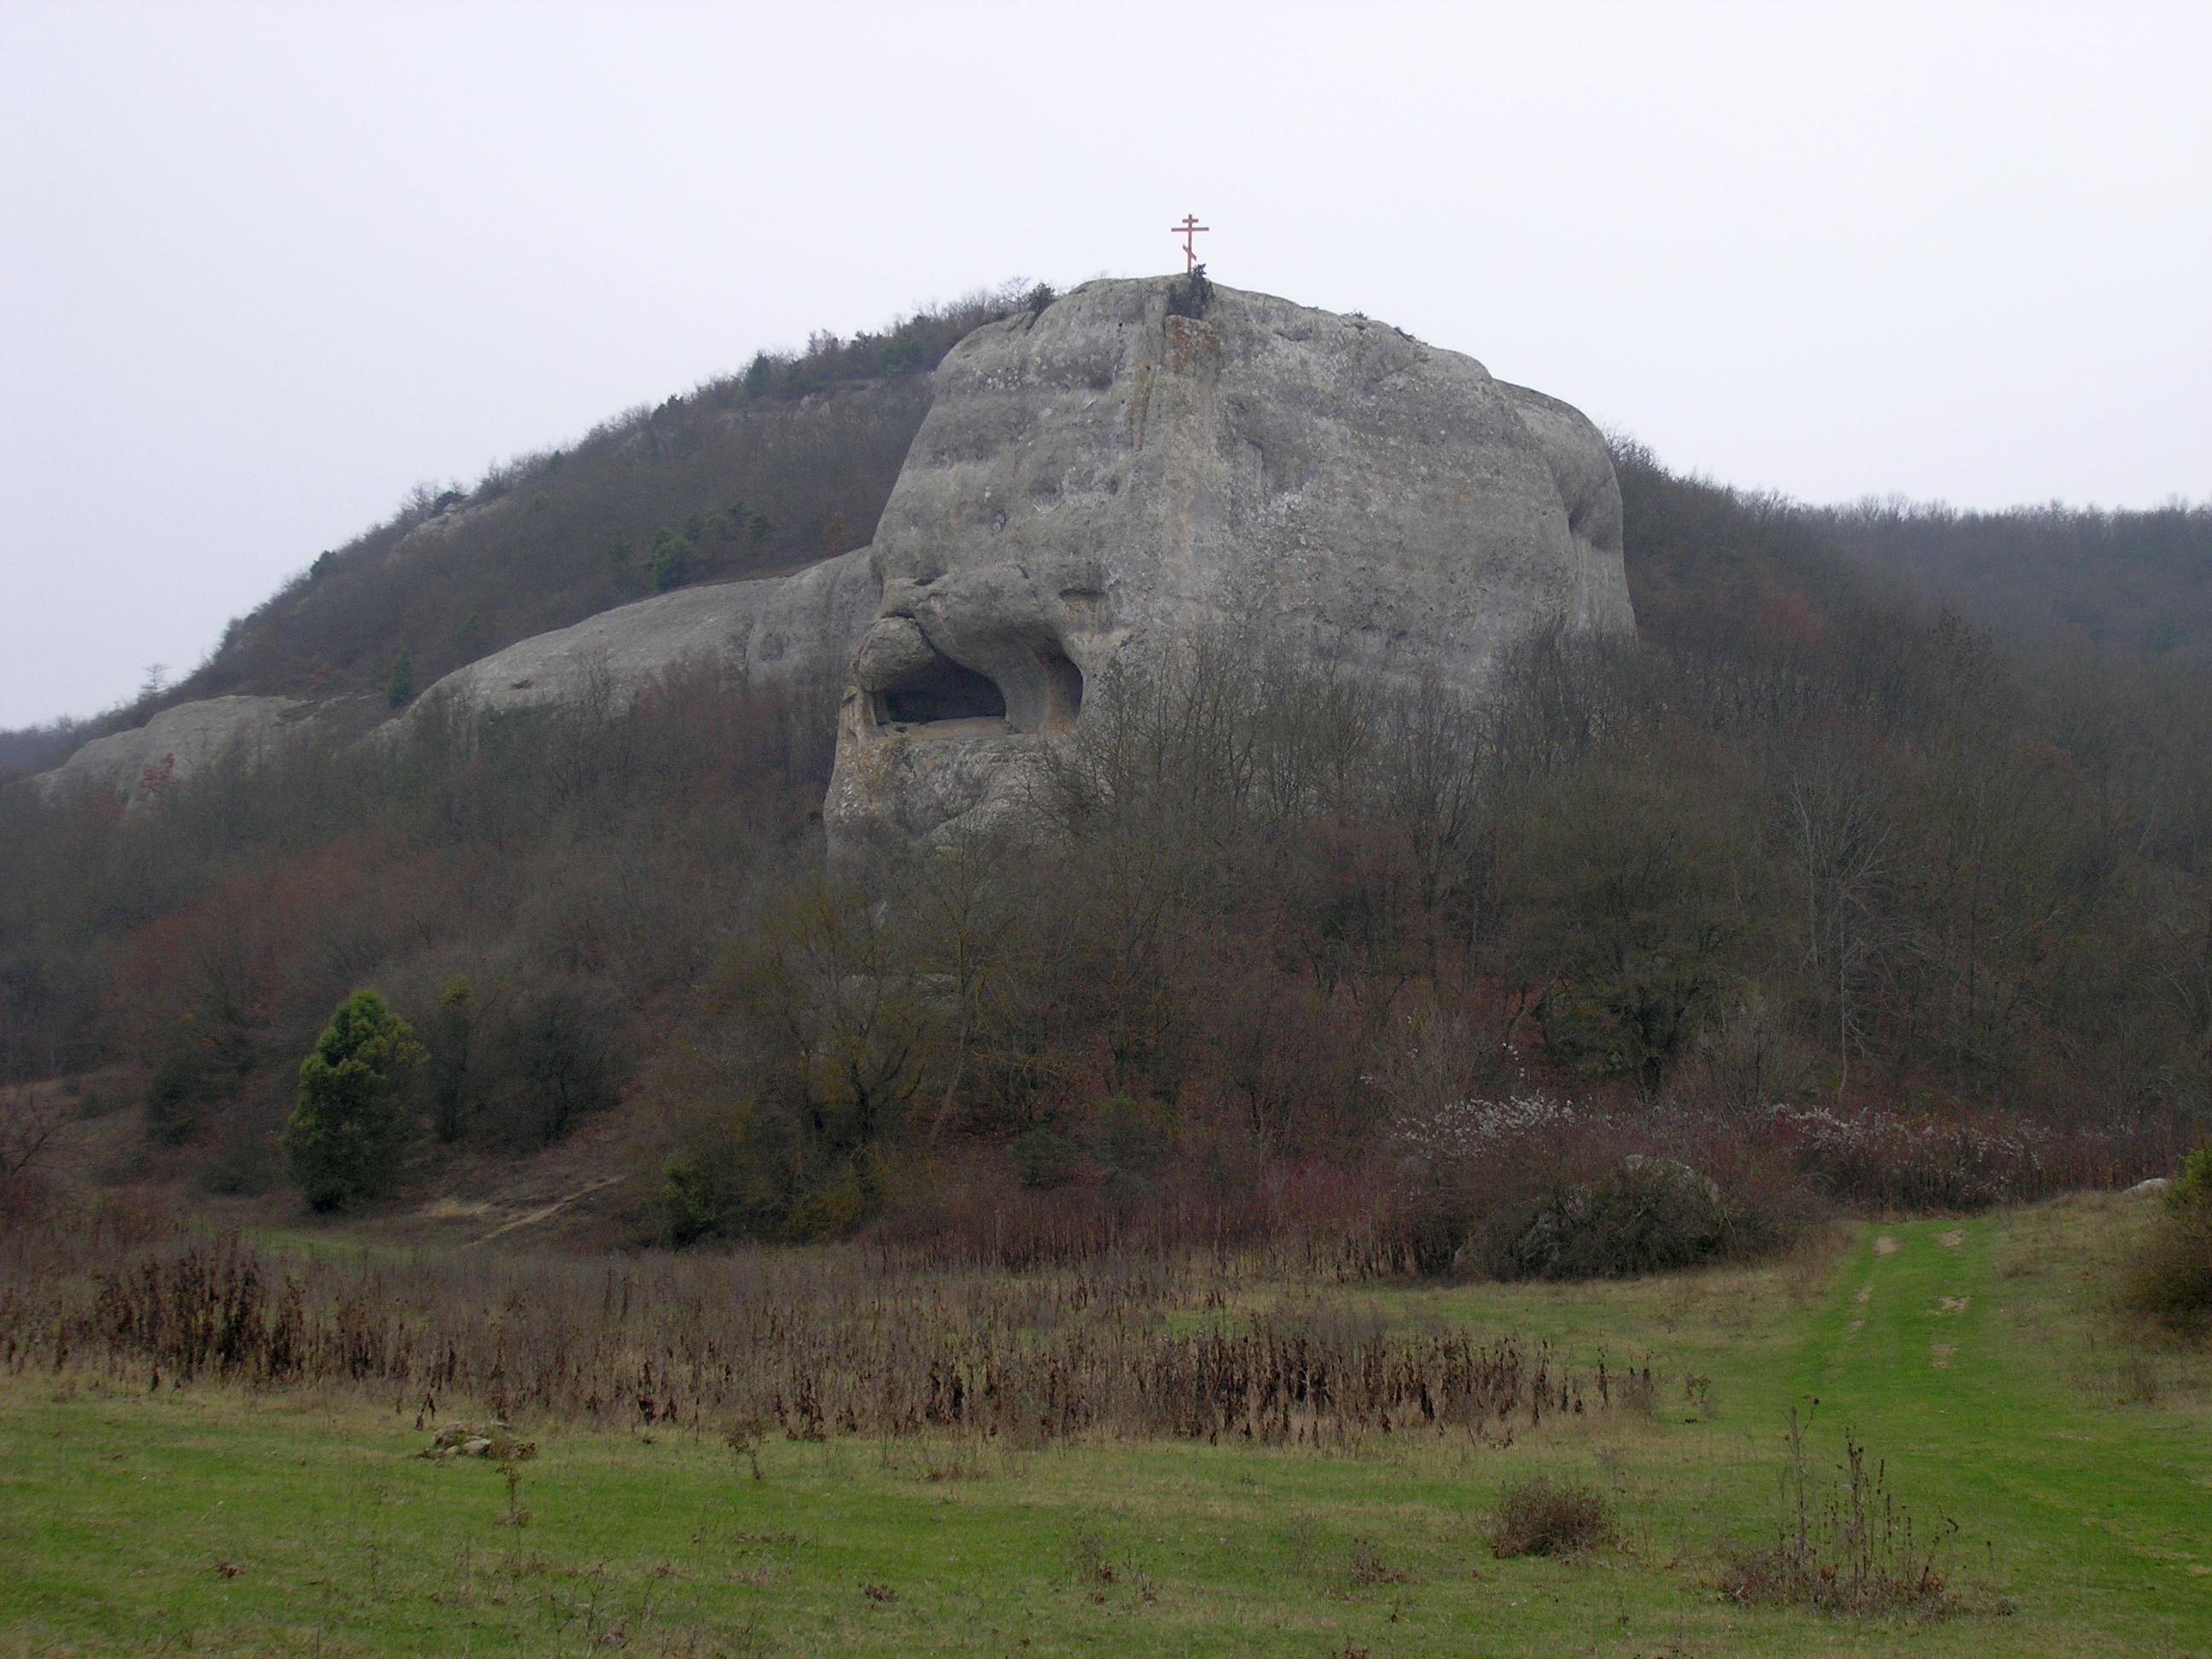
[(176, 743), (787, 630), (1097, 481)]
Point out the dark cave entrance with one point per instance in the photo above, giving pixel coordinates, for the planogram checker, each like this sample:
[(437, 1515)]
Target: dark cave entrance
[(943, 691)]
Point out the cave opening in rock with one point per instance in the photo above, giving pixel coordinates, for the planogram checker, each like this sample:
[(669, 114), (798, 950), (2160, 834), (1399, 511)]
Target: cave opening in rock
[(943, 691)]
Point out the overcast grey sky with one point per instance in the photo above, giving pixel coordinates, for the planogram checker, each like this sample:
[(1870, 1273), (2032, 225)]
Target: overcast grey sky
[(263, 268)]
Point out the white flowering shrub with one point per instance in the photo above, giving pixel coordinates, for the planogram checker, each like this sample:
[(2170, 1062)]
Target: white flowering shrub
[(1913, 1162), (1462, 1130)]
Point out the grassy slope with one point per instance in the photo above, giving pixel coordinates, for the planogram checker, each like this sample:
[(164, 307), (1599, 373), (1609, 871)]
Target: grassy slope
[(117, 1509), (1966, 1364)]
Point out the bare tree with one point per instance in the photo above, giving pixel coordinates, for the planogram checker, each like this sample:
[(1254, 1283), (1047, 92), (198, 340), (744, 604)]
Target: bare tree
[(29, 1121), (1845, 845)]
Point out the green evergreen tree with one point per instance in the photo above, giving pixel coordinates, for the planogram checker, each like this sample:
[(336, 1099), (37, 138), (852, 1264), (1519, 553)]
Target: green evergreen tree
[(352, 1124), (671, 563), (400, 690)]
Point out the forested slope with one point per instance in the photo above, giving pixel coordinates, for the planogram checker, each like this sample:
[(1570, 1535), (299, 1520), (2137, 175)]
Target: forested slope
[(1805, 847), (2133, 585)]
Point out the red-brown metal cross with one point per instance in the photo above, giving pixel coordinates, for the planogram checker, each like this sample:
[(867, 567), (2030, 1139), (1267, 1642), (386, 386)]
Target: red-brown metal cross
[(1188, 229)]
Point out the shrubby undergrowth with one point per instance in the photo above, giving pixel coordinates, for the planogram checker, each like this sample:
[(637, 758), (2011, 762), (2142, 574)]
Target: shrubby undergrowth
[(1639, 961), (1846, 1545), (1535, 1185)]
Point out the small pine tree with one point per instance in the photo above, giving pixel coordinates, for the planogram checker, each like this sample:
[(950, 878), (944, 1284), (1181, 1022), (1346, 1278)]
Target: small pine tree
[(400, 690), (352, 1123), (906, 353), (671, 563)]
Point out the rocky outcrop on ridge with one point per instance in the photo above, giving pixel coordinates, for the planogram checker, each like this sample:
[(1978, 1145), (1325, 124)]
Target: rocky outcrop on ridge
[(794, 631), (791, 630), (1147, 460), (178, 742)]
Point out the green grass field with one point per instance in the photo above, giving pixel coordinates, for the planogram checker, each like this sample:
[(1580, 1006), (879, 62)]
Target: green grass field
[(1978, 1359)]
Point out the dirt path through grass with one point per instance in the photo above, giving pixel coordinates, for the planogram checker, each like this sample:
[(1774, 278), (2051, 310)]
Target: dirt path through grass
[(1986, 1401)]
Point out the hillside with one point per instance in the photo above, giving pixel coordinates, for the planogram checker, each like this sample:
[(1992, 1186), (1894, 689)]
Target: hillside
[(791, 461), (750, 475), (1801, 846)]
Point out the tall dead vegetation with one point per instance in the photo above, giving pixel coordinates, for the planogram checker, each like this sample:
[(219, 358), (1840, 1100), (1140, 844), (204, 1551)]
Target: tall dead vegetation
[(820, 1344)]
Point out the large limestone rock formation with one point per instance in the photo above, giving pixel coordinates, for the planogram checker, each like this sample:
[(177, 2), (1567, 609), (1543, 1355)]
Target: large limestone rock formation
[(176, 743), (788, 631), (1099, 480)]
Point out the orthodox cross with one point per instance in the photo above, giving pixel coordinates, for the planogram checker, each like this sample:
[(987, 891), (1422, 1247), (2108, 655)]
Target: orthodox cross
[(1188, 229)]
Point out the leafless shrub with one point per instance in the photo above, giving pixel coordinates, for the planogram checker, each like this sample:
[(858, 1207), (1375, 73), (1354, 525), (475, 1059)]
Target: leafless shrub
[(511, 1475), (1851, 1548), (1369, 1569), (1543, 1515)]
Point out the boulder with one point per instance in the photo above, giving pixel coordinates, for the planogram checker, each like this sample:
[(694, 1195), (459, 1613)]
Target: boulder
[(1151, 461)]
